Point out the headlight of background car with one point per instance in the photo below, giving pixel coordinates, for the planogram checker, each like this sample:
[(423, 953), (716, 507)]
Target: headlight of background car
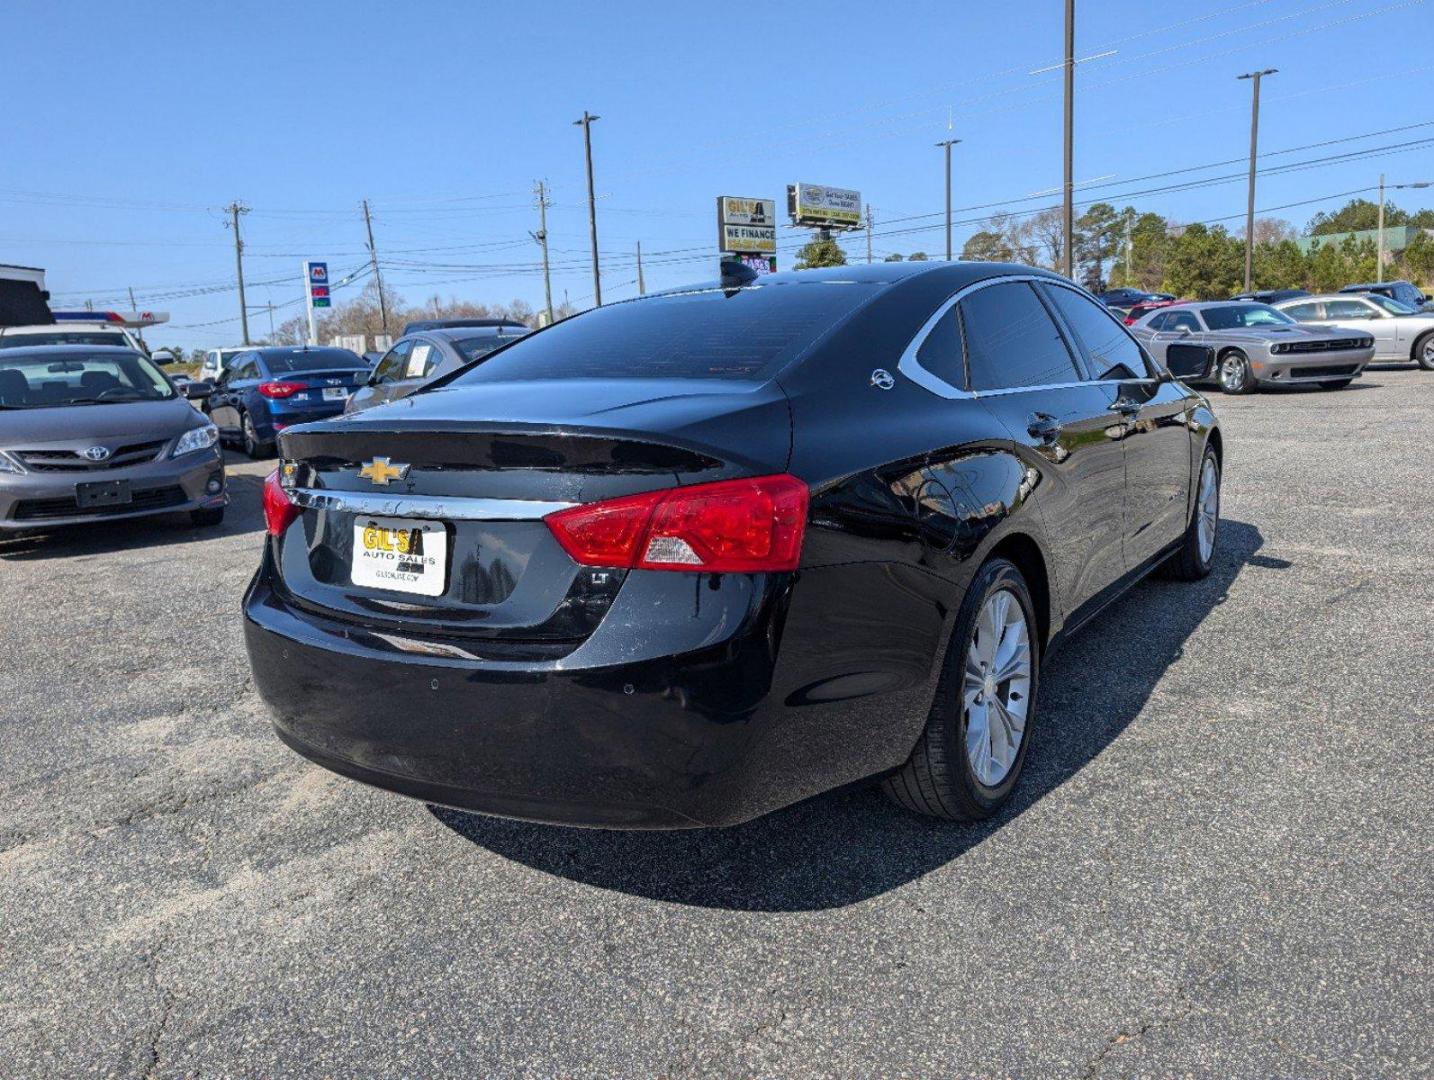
[(9, 464), (200, 438), (1277, 347)]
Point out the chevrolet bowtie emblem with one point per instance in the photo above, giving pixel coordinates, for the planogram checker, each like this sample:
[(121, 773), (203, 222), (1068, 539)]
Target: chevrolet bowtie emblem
[(382, 472)]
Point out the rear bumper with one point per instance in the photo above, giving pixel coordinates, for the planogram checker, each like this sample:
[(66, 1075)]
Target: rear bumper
[(713, 735), (170, 485)]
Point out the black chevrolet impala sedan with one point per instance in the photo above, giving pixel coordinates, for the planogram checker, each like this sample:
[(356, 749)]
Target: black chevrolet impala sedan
[(684, 560)]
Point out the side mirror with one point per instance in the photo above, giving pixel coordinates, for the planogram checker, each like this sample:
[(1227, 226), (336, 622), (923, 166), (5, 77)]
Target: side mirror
[(197, 389), (1190, 361), (1183, 331)]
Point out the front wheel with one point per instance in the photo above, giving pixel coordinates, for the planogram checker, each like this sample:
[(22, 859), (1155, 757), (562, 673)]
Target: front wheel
[(1197, 549), (1424, 351), (1235, 374), (974, 745)]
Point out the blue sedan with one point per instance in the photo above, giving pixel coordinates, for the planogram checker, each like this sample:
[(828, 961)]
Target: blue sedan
[(265, 390)]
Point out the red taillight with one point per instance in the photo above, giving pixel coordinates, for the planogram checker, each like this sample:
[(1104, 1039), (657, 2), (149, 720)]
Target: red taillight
[(731, 526), (280, 389), (279, 510)]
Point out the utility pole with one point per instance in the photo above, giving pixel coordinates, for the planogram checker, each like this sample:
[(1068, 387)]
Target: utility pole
[(140, 330), (641, 285), (373, 261), (271, 321), (234, 209), (1255, 76), (948, 144), (868, 232), (1068, 199), (587, 125), (541, 236), (1419, 184), (1127, 253)]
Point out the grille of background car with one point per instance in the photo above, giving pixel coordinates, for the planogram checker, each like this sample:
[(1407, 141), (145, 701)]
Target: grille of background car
[(70, 461), (1318, 346), (144, 499)]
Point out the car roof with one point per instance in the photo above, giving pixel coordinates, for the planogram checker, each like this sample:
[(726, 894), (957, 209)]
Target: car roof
[(1320, 296), (956, 274), (67, 349), (449, 333), (1371, 285)]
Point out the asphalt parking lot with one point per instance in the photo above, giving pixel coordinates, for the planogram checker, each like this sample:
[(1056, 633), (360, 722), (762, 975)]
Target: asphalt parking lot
[(1218, 862)]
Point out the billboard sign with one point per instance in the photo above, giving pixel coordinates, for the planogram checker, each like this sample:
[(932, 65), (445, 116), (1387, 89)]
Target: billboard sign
[(819, 206), (746, 226)]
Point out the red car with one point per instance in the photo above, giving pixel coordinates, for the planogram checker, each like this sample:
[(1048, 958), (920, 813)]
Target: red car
[(1139, 311)]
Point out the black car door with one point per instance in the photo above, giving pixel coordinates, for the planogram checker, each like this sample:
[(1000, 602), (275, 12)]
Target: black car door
[(1022, 369), (222, 403), (1153, 410)]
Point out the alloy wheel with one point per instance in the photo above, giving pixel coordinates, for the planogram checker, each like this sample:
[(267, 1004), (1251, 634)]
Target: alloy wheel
[(997, 687), (1232, 373), (251, 437), (1207, 508)]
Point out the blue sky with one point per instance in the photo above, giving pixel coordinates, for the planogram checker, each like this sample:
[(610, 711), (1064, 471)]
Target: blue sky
[(127, 132)]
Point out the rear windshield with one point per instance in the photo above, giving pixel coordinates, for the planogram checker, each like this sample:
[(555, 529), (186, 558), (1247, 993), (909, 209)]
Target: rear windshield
[(745, 333), (474, 347), (36, 382), (311, 360), (63, 337), (1236, 316)]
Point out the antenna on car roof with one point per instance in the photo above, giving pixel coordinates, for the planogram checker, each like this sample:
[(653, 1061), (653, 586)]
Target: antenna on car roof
[(736, 274)]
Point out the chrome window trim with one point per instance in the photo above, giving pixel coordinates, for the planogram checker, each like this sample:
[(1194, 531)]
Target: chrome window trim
[(455, 508), (912, 369)]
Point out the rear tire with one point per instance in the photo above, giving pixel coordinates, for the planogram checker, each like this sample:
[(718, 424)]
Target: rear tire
[(254, 447), (1196, 554), (207, 518), (1424, 351), (1235, 374), (1335, 384), (971, 716)]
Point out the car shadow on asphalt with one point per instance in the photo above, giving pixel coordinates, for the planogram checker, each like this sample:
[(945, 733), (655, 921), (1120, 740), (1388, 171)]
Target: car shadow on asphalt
[(244, 515), (850, 845)]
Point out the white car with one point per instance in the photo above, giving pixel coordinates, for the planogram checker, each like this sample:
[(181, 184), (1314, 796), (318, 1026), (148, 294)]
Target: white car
[(70, 332), (1400, 333), (217, 361)]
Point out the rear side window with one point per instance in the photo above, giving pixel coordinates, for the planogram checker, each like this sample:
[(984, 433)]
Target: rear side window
[(1303, 312), (941, 352), (1158, 323), (748, 333), (1112, 353), (1011, 340)]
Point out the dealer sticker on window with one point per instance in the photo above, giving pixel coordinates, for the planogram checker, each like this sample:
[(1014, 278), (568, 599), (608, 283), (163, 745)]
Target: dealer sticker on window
[(400, 554)]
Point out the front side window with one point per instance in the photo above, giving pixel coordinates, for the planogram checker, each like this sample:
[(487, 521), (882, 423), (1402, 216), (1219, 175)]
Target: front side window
[(1348, 310), (1160, 322), (392, 365), (1183, 320), (1113, 353), (1012, 341), (35, 382)]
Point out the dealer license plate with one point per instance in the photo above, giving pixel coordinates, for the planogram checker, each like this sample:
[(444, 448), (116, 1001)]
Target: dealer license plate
[(104, 493), (335, 393), (400, 554)]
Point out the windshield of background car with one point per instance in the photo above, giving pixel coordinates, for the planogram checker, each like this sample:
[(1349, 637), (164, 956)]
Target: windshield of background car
[(1238, 316), (474, 347), (1394, 307), (33, 382), (63, 337), (286, 363), (747, 333)]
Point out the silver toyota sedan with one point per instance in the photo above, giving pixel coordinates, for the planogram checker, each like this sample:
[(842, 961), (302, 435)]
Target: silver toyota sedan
[(1401, 333), (1255, 345)]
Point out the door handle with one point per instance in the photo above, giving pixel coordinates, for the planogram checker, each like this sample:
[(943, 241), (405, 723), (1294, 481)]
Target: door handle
[(1044, 428), (1127, 408)]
